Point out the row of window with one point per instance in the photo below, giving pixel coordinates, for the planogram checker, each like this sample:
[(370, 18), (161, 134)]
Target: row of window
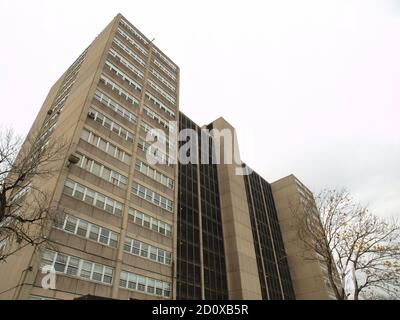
[(161, 91), (132, 41), (77, 267), (23, 191), (88, 270), (166, 71), (102, 171), (161, 157), (105, 146), (87, 230), (151, 196), (129, 52), (116, 107), (139, 283), (165, 123), (126, 63), (110, 124), (162, 79), (135, 86), (118, 90), (154, 174), (165, 59), (161, 136), (159, 104), (135, 32), (149, 222), (92, 197), (147, 251)]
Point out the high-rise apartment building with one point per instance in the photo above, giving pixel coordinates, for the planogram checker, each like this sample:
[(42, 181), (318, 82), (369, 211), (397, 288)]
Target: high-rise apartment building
[(133, 229)]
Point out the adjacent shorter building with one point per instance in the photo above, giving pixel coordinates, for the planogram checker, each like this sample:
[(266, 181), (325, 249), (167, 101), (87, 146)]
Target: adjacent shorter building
[(309, 276), (131, 229)]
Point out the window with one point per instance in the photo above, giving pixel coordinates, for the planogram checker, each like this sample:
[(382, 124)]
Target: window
[(127, 245), (123, 280), (152, 196), (168, 97), (86, 269), (149, 222), (129, 51), (104, 236), (110, 124), (163, 80), (136, 247), (132, 42), (153, 253), (100, 201), (151, 283), (164, 69), (94, 232), (82, 228), (73, 266), (142, 167), (126, 63), (87, 230), (133, 84), (106, 147), (79, 192), (132, 281), (146, 251), (71, 224), (107, 101), (140, 283), (89, 196), (103, 172), (146, 221), (97, 272), (108, 275), (60, 263), (159, 104), (113, 239)]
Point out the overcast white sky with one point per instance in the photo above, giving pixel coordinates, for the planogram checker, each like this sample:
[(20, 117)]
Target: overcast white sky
[(315, 83)]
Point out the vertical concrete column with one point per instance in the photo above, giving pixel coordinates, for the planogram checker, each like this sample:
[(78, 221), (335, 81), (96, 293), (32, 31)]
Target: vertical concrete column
[(241, 263)]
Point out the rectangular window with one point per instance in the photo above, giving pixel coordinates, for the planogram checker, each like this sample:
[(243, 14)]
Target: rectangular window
[(82, 228), (94, 232), (104, 236), (60, 263), (70, 225)]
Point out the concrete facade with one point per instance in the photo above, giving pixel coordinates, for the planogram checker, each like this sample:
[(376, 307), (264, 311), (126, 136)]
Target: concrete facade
[(309, 277), (118, 236)]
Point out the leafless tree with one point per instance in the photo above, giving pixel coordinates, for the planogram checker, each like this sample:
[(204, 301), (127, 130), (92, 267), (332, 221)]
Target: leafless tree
[(360, 250), (26, 211)]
